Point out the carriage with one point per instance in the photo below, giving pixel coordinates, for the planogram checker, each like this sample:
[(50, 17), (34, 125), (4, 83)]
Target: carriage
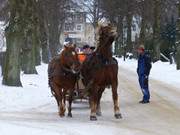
[(80, 92), (98, 71)]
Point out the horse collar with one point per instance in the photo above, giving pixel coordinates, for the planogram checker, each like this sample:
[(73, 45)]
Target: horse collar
[(104, 60)]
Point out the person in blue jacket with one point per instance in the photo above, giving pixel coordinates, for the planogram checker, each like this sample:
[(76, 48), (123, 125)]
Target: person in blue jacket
[(143, 71)]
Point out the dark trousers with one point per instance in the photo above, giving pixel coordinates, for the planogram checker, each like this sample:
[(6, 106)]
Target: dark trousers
[(143, 81)]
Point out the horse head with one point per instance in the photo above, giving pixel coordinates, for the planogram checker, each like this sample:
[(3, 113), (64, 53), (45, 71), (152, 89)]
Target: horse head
[(107, 33), (69, 59)]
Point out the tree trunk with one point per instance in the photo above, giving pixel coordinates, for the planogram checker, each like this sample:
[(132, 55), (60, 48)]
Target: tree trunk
[(119, 41), (143, 24), (53, 39), (129, 32), (178, 39), (29, 55), (36, 42), (178, 58), (2, 61), (30, 48), (43, 28), (11, 74), (44, 44), (54, 29), (14, 38), (36, 31), (156, 29), (142, 32)]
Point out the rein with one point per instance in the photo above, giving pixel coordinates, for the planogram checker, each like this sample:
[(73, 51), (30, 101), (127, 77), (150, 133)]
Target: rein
[(67, 70)]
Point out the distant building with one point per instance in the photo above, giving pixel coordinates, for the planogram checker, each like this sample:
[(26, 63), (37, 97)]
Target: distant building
[(89, 34), (77, 28), (74, 26), (2, 38)]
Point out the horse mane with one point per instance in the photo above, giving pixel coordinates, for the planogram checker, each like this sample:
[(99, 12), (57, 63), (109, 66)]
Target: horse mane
[(63, 51), (104, 43)]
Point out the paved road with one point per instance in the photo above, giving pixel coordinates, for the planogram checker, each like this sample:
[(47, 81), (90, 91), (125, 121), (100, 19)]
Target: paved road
[(160, 117)]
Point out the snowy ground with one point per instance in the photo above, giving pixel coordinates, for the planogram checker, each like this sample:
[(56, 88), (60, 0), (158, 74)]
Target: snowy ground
[(32, 111)]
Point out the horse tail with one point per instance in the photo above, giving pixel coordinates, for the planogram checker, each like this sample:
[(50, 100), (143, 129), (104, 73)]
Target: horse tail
[(115, 60), (50, 72)]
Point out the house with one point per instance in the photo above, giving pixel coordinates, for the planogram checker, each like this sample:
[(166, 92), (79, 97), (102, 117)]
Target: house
[(2, 38), (76, 27)]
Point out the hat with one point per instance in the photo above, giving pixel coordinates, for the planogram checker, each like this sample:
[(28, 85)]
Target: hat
[(66, 43), (86, 46), (92, 47), (141, 47)]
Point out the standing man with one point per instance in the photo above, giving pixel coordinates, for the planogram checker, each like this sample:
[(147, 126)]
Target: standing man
[(143, 71)]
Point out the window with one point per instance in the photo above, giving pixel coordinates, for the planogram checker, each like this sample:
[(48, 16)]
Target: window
[(79, 28), (68, 27), (78, 39), (134, 27)]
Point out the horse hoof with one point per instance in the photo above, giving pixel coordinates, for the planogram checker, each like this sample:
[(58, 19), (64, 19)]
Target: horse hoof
[(61, 115), (99, 114), (93, 118), (118, 116), (70, 115)]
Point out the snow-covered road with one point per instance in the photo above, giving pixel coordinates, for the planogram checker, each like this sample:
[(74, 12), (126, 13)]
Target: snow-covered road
[(160, 117)]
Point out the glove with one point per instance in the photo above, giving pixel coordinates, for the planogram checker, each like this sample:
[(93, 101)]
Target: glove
[(145, 80)]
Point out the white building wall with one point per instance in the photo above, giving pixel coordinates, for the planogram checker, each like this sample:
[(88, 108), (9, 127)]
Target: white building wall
[(2, 38)]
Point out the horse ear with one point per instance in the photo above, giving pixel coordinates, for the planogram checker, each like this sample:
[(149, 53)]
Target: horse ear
[(74, 45), (65, 47)]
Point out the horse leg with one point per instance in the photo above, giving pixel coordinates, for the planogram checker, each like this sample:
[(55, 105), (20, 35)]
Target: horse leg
[(70, 103), (93, 103), (98, 112), (117, 113), (58, 97), (63, 103), (55, 95)]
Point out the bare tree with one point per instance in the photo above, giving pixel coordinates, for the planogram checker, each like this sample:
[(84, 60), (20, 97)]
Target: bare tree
[(14, 36), (178, 38)]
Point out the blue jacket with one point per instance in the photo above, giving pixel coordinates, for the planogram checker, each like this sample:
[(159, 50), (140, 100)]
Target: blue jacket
[(144, 64)]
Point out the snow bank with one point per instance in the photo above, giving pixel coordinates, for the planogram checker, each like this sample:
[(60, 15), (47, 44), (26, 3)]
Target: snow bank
[(33, 93), (161, 71)]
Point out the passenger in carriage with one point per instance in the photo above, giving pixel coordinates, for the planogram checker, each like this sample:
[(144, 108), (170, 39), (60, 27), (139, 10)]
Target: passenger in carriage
[(86, 49), (86, 53), (82, 55), (89, 51), (92, 49)]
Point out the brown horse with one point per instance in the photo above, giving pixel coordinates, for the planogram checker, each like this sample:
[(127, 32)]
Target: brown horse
[(63, 73), (100, 71)]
